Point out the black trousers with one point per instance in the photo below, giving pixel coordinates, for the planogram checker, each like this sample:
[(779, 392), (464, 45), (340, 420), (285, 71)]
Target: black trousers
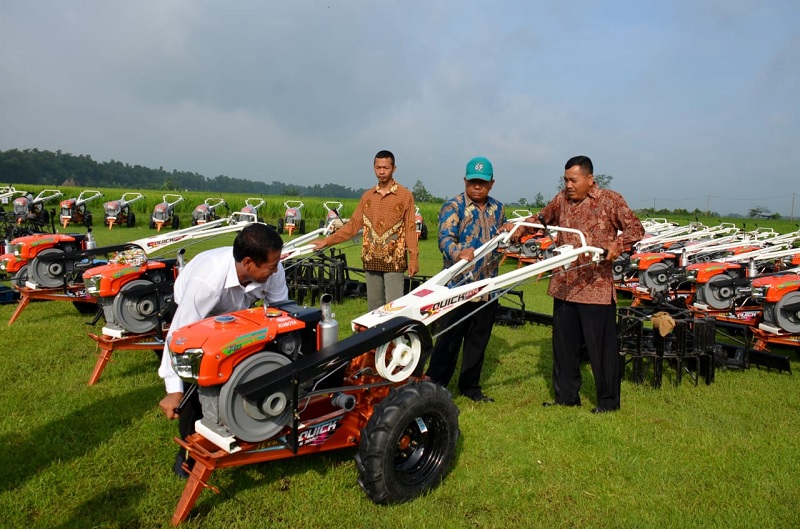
[(192, 412), (594, 326), (474, 333)]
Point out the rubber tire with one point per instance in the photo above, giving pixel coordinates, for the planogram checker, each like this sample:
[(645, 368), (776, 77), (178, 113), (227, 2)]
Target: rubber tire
[(176, 222), (302, 226), (131, 220), (280, 226), (423, 232), (152, 224), (381, 461), (87, 219)]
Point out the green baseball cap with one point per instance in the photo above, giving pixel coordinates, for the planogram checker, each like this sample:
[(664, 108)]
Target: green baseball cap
[(479, 168)]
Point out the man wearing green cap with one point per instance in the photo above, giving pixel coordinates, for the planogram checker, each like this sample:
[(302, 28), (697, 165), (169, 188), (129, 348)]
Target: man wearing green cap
[(465, 223)]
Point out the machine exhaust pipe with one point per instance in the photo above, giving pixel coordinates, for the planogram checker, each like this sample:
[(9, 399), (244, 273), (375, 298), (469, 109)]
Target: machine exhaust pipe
[(91, 244), (181, 261), (328, 326)]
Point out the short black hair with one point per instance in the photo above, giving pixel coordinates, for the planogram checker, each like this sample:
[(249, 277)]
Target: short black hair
[(581, 161), (385, 154), (256, 241)]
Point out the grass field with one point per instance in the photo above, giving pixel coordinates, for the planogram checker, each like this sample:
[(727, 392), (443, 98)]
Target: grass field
[(72, 456)]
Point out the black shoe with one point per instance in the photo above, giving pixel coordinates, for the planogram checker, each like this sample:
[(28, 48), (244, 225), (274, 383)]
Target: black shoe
[(601, 409), (478, 396), (178, 469), (549, 404)]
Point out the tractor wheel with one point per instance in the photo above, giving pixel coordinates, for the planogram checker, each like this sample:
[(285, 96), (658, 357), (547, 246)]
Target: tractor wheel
[(618, 269), (715, 296), (302, 226), (423, 232), (656, 277), (152, 224), (280, 225), (87, 219), (136, 313), (246, 421), (85, 307), (131, 220), (50, 274), (321, 223), (176, 222), (18, 280), (409, 443), (786, 313)]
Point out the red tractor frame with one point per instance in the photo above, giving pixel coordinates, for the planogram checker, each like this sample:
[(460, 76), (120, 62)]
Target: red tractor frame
[(274, 382)]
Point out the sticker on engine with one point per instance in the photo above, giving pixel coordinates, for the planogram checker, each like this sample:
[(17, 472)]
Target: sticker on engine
[(244, 340)]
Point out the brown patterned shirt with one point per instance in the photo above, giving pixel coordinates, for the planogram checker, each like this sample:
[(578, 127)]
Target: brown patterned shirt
[(604, 218), (389, 229)]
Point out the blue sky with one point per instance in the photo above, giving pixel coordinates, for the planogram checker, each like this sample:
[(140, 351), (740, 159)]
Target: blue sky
[(688, 104)]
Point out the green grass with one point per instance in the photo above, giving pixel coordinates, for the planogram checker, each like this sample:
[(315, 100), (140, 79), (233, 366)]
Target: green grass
[(73, 456)]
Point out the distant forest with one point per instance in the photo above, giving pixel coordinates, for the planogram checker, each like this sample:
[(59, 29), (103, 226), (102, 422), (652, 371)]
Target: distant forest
[(32, 166)]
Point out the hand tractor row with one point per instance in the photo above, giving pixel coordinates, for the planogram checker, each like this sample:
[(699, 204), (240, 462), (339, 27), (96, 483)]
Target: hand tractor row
[(749, 279)]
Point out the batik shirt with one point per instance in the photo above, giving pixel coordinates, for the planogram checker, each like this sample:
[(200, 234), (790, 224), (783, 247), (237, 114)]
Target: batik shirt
[(462, 225), (389, 229), (604, 218)]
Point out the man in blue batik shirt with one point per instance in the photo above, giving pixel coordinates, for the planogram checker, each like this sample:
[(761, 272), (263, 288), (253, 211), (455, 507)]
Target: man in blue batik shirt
[(465, 223)]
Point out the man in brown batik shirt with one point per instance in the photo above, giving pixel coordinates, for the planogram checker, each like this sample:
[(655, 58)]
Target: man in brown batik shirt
[(389, 240), (584, 298)]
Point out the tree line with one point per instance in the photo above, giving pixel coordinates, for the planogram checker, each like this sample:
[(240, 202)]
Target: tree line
[(46, 168)]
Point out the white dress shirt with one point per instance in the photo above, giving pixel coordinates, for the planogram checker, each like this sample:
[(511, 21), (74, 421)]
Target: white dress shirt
[(209, 286)]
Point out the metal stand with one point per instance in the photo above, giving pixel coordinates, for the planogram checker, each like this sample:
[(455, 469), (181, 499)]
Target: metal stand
[(109, 344), (48, 294), (691, 344), (340, 429)]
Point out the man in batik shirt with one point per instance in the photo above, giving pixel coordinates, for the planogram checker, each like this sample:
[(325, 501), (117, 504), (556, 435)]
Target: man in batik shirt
[(584, 298), (465, 223), (389, 240)]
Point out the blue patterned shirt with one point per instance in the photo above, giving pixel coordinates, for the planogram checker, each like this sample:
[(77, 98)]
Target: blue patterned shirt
[(462, 225)]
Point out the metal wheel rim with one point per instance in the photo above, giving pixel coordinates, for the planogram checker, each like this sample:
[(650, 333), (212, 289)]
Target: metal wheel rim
[(786, 319), (126, 308), (245, 420)]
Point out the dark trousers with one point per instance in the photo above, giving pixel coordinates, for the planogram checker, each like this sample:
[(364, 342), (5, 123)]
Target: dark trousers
[(191, 412), (576, 325), (474, 333)]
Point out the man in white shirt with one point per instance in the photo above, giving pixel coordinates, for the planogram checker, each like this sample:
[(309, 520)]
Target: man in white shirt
[(216, 282)]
